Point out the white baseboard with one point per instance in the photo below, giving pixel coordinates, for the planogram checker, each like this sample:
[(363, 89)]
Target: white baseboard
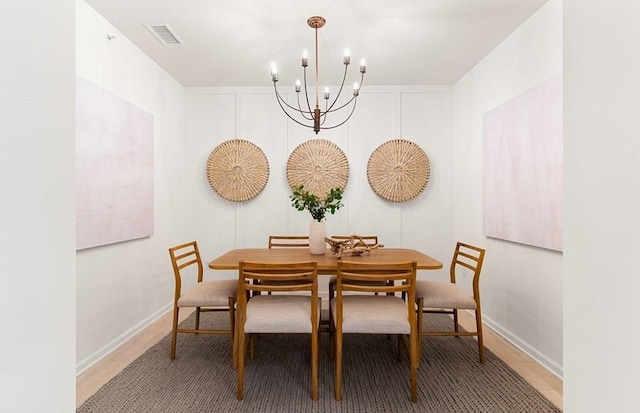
[(523, 346), (121, 339)]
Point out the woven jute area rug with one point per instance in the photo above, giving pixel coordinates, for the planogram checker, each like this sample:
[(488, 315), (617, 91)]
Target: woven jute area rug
[(200, 379)]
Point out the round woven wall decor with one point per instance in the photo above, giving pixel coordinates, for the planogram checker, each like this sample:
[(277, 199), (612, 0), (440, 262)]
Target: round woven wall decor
[(319, 165), (237, 170), (398, 170)]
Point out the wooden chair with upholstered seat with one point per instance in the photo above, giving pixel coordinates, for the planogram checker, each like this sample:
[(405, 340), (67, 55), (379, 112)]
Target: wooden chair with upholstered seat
[(204, 296), (296, 310), (448, 297), (375, 314)]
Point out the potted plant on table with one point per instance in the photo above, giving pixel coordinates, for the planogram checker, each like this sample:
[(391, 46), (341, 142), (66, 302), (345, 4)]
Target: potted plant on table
[(318, 207)]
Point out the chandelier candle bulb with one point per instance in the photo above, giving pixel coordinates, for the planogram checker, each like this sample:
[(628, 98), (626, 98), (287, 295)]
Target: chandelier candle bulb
[(326, 93), (274, 72), (347, 57), (298, 85), (363, 66), (355, 89), (305, 58)]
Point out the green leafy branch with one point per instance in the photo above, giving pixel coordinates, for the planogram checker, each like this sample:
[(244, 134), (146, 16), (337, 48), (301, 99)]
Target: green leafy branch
[(302, 199)]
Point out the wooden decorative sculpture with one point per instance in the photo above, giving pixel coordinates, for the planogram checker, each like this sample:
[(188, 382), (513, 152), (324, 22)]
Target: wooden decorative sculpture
[(354, 245)]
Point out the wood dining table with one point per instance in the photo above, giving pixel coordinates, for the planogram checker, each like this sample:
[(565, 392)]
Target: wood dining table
[(327, 263)]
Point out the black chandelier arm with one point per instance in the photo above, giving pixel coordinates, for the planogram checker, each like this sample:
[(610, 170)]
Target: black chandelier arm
[(344, 78), (344, 121), (302, 112), (343, 106), (324, 114), (354, 97), (281, 101)]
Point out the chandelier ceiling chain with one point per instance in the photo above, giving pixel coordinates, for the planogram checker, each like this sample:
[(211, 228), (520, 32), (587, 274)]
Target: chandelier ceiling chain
[(316, 115)]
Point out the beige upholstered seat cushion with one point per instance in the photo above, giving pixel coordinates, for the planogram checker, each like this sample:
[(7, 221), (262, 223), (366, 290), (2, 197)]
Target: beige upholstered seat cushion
[(373, 314), (443, 295), (209, 294), (279, 314)]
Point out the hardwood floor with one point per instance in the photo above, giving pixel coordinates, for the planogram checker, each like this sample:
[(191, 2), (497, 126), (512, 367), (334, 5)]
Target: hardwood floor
[(538, 376), (104, 370), (99, 374)]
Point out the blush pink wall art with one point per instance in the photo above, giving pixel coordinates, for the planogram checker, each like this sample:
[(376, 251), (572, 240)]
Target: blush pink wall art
[(114, 168), (522, 147)]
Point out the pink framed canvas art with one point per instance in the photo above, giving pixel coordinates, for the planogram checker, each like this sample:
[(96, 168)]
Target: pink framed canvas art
[(114, 168), (522, 149)]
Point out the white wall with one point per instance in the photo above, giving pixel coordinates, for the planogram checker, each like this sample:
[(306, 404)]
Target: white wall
[(602, 204), (418, 114), (37, 211), (521, 285), (122, 287)]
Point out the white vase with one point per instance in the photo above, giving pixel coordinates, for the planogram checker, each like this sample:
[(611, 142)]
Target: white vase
[(317, 233)]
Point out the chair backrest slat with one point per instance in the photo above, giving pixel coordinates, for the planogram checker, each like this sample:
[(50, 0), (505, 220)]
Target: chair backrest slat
[(178, 256), (288, 241), (470, 257), (375, 288), (371, 277), (292, 276), (188, 263)]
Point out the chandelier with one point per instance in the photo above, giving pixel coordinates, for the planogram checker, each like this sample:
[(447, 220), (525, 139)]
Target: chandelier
[(315, 118)]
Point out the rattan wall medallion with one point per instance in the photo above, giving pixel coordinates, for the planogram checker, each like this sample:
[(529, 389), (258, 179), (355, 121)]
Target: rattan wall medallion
[(319, 165), (398, 170), (237, 170)]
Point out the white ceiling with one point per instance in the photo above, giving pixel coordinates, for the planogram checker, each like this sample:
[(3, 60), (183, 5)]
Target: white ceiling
[(233, 42)]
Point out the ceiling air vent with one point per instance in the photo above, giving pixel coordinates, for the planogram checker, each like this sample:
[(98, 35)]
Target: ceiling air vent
[(164, 34)]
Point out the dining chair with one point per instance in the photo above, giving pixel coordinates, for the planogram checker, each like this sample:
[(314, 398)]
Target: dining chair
[(205, 296), (293, 308), (370, 240), (375, 314), (288, 241), (448, 297)]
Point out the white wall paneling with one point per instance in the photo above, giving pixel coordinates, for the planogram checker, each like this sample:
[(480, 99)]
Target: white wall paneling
[(213, 118), (427, 224), (378, 118), (262, 121)]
